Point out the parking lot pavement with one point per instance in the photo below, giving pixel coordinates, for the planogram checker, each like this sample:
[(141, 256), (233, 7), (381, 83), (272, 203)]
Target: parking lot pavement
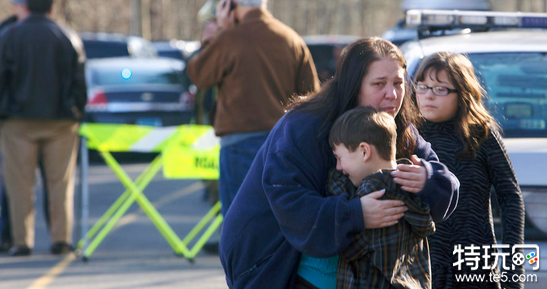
[(134, 254)]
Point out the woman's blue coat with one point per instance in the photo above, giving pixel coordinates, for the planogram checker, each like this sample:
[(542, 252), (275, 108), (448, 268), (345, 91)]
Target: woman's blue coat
[(282, 210)]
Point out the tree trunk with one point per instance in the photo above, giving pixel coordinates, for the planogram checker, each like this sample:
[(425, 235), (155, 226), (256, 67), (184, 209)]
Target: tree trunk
[(167, 31), (136, 18), (64, 11), (145, 18)]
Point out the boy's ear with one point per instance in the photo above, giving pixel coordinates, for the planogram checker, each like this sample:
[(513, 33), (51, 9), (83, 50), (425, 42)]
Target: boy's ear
[(366, 150)]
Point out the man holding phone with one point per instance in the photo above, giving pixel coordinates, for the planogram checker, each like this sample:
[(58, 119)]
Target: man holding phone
[(258, 63)]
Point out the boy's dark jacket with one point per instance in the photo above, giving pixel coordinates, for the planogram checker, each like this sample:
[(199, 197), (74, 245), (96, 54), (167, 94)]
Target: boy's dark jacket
[(391, 257), (281, 208)]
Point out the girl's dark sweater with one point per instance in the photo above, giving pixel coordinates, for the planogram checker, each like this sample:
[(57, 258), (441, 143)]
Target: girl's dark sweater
[(471, 223)]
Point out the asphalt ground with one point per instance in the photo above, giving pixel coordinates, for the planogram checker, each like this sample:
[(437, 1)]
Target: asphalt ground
[(134, 254)]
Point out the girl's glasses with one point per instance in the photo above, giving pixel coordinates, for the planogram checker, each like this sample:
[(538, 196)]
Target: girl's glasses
[(437, 90)]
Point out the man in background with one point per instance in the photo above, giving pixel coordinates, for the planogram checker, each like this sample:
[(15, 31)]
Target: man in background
[(205, 100), (42, 99), (20, 13), (257, 63)]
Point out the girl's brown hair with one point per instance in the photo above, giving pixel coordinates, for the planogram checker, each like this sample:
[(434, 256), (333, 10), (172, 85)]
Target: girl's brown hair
[(341, 93), (473, 121)]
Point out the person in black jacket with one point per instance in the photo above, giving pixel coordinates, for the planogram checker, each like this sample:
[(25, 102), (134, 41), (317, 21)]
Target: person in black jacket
[(5, 234), (467, 140), (21, 12), (42, 100), (7, 22)]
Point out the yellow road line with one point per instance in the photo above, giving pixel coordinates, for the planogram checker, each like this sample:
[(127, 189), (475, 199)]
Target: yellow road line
[(45, 280)]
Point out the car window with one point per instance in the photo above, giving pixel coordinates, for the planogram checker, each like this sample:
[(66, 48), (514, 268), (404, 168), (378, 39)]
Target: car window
[(129, 77), (516, 84), (174, 53), (325, 58), (101, 49)]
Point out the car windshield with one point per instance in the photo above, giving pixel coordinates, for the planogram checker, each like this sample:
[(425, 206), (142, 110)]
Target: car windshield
[(99, 49), (126, 76), (516, 84), (325, 58)]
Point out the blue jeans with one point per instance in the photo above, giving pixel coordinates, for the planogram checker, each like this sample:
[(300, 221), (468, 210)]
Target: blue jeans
[(235, 161), (5, 233)]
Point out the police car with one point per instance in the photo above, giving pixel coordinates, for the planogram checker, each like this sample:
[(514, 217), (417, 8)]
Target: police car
[(509, 53), (400, 33)]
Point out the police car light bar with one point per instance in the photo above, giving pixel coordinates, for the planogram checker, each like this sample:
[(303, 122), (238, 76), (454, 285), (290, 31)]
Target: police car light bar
[(445, 19)]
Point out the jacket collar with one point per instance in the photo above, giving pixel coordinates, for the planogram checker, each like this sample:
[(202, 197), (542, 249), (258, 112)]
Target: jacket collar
[(448, 126), (255, 14), (36, 17)]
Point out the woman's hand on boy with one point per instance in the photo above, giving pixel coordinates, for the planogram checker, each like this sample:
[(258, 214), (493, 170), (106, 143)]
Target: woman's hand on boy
[(381, 213), (411, 177)]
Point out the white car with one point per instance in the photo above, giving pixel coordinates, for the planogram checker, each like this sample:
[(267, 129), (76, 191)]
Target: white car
[(512, 66), (399, 34)]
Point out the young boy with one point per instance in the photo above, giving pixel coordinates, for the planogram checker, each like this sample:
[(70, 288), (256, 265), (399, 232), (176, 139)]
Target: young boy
[(363, 141)]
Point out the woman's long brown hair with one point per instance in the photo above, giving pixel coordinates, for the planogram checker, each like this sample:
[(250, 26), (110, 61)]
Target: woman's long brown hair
[(341, 93)]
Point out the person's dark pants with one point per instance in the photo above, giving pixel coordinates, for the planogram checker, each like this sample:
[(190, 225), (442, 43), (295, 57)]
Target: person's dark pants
[(235, 161), (5, 233)]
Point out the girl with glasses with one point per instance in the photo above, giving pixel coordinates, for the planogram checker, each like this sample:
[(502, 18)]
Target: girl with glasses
[(467, 140)]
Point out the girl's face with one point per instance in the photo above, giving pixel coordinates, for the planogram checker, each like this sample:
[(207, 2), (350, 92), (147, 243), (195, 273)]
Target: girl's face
[(384, 86), (433, 107)]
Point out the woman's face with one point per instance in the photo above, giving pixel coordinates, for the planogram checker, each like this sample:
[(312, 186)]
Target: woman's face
[(384, 86), (434, 107)]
